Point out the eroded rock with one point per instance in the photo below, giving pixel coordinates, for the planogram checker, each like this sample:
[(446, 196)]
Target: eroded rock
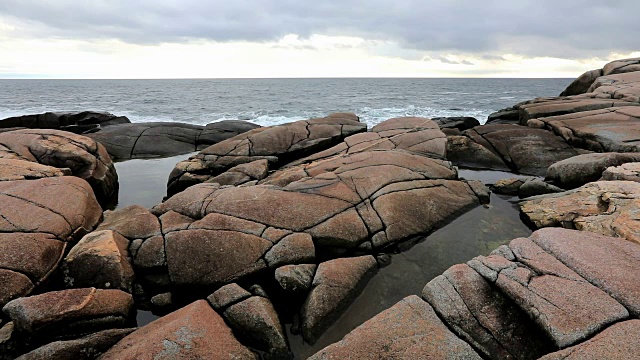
[(579, 170)]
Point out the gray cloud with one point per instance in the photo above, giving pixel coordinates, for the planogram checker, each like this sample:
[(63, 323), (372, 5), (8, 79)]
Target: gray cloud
[(567, 29)]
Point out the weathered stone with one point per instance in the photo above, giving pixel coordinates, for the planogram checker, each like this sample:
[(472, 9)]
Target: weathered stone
[(408, 330), (132, 222), (582, 84), (172, 221), (256, 323), (605, 207), (608, 263), (335, 285), (464, 152), (213, 257), (509, 186), (484, 317), (563, 304), (276, 144), (100, 260), (193, 332), (63, 120), (84, 157), (295, 278), (243, 173), (460, 123), (547, 108), (620, 341), (14, 285), (35, 255), (293, 249), (86, 348), (15, 169), (612, 129), (151, 254), (625, 172), (161, 139), (62, 206), (536, 186), (227, 295), (70, 312), (579, 170), (526, 150)]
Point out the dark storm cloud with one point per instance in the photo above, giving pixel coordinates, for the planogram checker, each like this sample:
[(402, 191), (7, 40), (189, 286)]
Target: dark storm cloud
[(576, 28)]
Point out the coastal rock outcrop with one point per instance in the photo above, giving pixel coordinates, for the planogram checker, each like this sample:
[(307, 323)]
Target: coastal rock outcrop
[(625, 172), (579, 170), (79, 155), (605, 207), (161, 139), (277, 144), (75, 122)]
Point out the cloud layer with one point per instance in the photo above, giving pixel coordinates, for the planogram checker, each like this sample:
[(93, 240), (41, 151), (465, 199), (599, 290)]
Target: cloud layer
[(563, 29)]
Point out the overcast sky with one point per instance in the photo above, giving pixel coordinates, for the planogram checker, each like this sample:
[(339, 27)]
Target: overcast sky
[(297, 38)]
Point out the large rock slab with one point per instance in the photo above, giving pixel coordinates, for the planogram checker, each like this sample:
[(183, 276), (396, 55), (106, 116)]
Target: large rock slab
[(84, 157), (76, 122), (566, 306), (609, 208), (615, 129), (525, 150), (162, 139), (464, 152), (542, 108), (579, 170), (408, 330), (625, 172), (66, 313), (193, 332), (85, 348), (335, 285), (277, 144), (582, 84), (37, 220), (606, 262), (484, 317), (620, 341)]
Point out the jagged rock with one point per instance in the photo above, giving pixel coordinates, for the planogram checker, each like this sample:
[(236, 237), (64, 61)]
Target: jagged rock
[(526, 150), (86, 348), (464, 152), (277, 144), (193, 332), (612, 129), (292, 249), (605, 207), (296, 278), (582, 84), (161, 139), (408, 330), (100, 260), (68, 121), (37, 219), (63, 314), (566, 306), (484, 317), (579, 170), (606, 262), (132, 222), (625, 172), (84, 157), (620, 341), (227, 296), (335, 285), (14, 169), (243, 173), (256, 323)]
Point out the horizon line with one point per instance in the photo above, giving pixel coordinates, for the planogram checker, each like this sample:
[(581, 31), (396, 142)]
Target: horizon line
[(287, 78)]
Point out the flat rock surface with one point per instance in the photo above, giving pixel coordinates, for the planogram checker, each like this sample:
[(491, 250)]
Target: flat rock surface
[(609, 208), (408, 330), (163, 139), (620, 341), (15, 169), (276, 144), (625, 172), (579, 170), (193, 332)]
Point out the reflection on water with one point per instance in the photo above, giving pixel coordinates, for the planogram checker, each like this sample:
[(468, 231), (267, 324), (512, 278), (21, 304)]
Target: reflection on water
[(144, 181), (475, 233)]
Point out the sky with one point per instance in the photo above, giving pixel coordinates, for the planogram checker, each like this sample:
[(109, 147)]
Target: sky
[(300, 38)]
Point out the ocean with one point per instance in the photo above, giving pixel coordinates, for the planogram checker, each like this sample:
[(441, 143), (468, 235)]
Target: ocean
[(272, 101)]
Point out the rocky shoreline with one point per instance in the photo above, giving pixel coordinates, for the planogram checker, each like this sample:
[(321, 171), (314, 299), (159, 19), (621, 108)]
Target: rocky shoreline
[(269, 226)]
